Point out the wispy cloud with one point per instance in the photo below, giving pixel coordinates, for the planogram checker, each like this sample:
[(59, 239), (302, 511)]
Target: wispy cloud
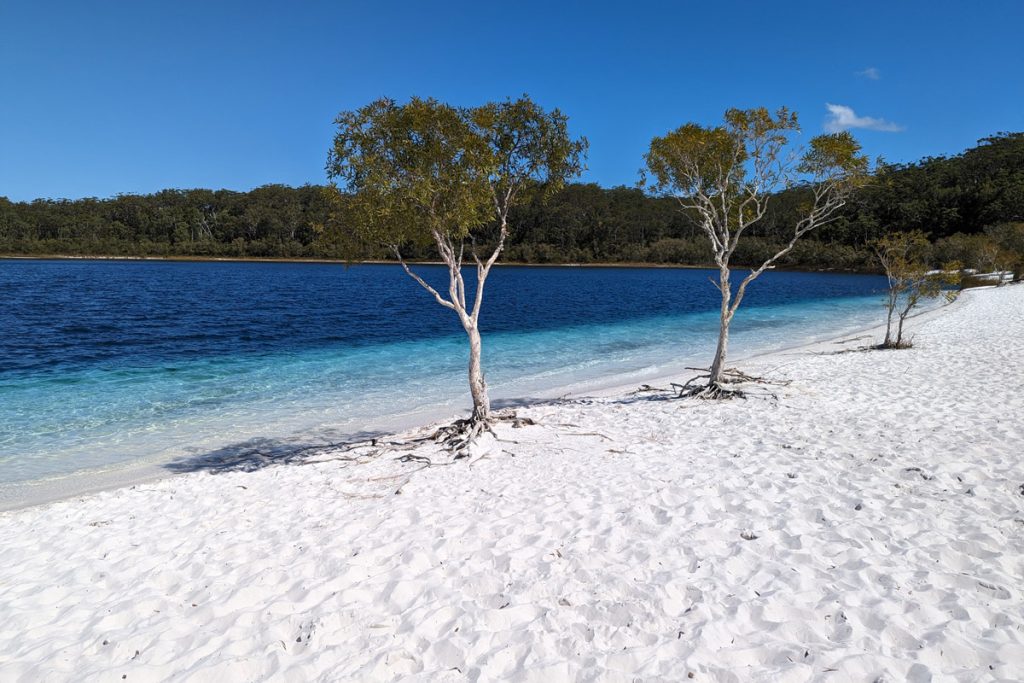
[(841, 117), (870, 73)]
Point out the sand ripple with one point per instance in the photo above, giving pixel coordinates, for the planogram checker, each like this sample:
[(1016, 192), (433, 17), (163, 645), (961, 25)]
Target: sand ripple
[(869, 525)]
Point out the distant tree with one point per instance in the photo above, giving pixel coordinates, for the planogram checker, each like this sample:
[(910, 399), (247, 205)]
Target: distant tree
[(952, 198), (992, 259), (999, 262), (1009, 237), (427, 172), (973, 251), (725, 176), (903, 257)]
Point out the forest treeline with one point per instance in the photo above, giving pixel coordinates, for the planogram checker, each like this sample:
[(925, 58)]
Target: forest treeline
[(971, 205)]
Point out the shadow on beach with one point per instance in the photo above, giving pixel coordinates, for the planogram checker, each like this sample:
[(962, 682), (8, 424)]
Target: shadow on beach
[(645, 393), (255, 454), (525, 402)]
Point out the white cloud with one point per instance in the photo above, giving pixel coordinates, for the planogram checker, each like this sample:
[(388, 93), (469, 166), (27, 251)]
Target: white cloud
[(842, 117), (870, 73)]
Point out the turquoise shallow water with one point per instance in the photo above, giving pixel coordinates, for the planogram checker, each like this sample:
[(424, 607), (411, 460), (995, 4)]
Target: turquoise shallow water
[(171, 361)]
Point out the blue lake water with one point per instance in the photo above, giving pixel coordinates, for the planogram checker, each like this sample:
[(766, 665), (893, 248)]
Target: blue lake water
[(109, 363)]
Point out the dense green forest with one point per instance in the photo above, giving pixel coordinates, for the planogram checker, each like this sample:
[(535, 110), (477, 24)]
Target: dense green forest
[(971, 205)]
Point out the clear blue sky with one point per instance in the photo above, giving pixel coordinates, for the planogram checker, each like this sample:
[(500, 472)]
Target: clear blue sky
[(100, 98)]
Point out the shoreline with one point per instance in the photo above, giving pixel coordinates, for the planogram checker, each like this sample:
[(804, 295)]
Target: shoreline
[(90, 482), (383, 262)]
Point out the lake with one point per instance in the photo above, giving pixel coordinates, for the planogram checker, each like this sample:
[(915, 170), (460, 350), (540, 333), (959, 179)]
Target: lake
[(112, 364)]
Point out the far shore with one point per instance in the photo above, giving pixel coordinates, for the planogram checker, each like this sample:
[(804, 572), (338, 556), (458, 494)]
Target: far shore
[(516, 264)]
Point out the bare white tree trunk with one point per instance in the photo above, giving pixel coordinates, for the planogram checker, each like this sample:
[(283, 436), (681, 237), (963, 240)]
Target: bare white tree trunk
[(477, 385), (912, 299), (725, 212), (725, 238), (467, 309), (718, 364), (896, 288), (891, 308)]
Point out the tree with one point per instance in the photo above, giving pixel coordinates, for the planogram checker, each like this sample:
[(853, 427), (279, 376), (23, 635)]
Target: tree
[(1010, 239), (902, 255), (953, 198), (724, 176), (427, 172), (968, 250)]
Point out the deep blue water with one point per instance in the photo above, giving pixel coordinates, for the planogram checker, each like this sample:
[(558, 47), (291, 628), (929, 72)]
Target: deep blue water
[(104, 363)]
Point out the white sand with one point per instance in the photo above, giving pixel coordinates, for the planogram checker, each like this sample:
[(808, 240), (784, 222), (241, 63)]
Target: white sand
[(881, 496)]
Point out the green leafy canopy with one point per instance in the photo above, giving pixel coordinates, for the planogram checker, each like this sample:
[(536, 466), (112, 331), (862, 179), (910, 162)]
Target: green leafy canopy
[(750, 152), (416, 171)]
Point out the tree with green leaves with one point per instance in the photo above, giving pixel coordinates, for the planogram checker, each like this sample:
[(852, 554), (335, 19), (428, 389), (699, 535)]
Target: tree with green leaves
[(724, 176), (903, 257), (426, 172), (1009, 240)]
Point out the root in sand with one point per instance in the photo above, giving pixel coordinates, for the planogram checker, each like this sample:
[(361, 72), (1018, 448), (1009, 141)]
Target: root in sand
[(701, 386)]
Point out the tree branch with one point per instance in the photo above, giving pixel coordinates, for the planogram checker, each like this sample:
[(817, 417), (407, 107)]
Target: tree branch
[(827, 200), (440, 299)]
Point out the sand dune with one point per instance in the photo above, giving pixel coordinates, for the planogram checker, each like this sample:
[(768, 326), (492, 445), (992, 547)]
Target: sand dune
[(867, 524)]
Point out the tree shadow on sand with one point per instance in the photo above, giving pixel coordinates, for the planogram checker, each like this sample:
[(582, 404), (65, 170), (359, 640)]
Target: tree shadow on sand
[(643, 394), (526, 402), (255, 454), (258, 453)]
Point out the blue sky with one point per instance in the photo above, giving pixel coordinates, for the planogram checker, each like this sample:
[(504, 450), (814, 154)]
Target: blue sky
[(100, 98)]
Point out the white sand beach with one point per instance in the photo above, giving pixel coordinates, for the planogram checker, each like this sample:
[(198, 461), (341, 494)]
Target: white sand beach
[(865, 525)]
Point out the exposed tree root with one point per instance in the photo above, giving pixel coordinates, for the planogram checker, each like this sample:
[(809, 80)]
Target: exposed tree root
[(459, 436), (647, 389), (455, 442), (712, 391), (891, 346), (701, 386), (901, 344), (346, 452)]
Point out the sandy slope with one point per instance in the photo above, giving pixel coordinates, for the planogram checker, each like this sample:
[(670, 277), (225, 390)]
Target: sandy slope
[(868, 525)]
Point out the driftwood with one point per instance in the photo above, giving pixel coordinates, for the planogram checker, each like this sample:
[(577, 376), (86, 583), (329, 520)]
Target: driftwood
[(647, 389)]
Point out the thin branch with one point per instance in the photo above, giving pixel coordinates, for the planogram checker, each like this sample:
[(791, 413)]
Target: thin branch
[(828, 200), (440, 299)]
